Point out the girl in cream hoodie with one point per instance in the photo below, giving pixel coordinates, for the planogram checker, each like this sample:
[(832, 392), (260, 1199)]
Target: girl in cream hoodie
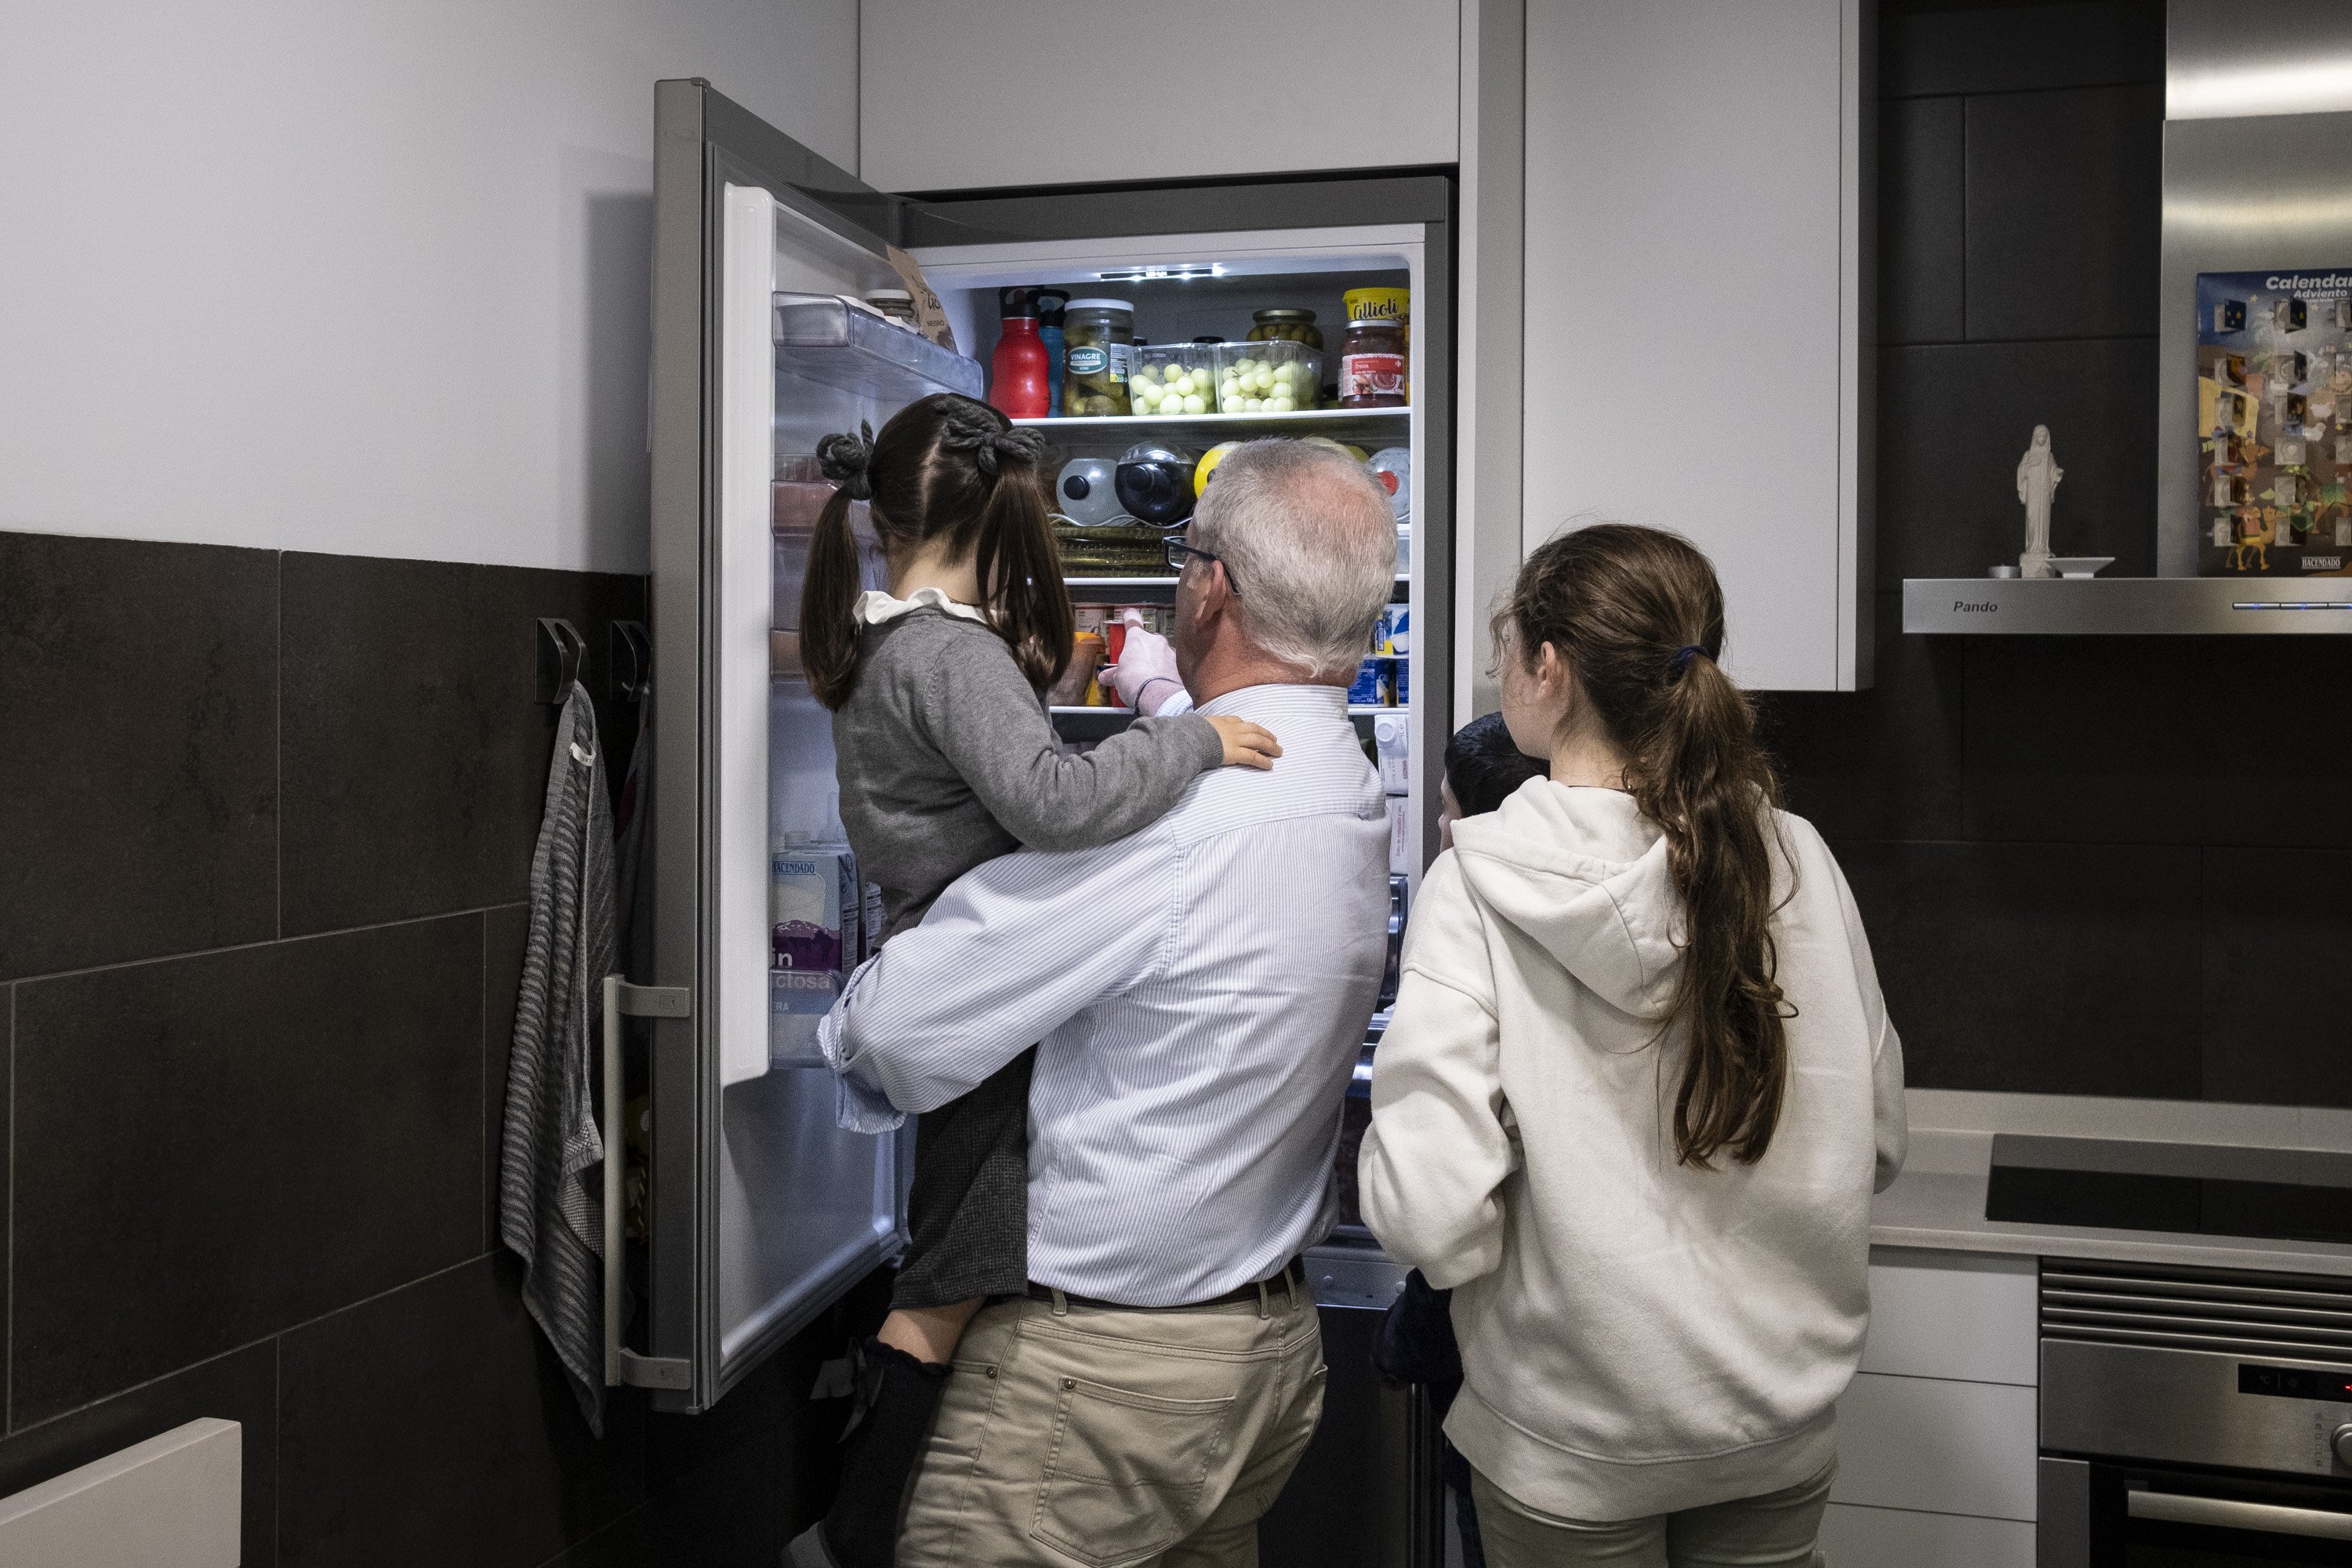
[(1637, 1092)]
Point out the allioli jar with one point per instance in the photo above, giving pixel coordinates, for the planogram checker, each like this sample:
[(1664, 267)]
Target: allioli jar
[(1098, 342), (1286, 326), (1379, 304), (1372, 364)]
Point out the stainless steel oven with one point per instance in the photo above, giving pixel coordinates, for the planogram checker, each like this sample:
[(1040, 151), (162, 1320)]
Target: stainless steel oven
[(2192, 1418)]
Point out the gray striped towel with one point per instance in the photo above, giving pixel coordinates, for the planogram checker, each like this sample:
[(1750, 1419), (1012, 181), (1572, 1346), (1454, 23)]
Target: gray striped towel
[(551, 1192)]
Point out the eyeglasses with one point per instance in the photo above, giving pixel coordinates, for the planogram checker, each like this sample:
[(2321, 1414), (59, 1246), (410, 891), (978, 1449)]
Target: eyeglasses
[(1177, 552)]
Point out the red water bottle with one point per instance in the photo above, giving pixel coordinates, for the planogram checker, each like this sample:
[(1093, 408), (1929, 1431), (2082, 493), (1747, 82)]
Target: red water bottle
[(1020, 372)]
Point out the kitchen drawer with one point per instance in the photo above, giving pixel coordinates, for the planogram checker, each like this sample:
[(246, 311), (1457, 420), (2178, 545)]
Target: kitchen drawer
[(1898, 1538), (1936, 1446), (1971, 1316)]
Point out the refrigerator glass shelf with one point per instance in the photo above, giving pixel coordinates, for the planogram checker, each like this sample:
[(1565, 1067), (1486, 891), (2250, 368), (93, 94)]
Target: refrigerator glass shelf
[(1160, 590), (1355, 711), (823, 339), (1367, 428)]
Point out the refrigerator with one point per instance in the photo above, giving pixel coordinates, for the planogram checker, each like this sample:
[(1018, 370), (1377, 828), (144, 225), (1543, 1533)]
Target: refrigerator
[(759, 1213)]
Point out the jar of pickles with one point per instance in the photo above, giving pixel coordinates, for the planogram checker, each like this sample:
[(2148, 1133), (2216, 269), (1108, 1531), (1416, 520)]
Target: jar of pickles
[(1098, 346), (1286, 326)]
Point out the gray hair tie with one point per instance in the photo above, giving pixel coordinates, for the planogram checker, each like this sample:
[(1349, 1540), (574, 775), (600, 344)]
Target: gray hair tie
[(846, 459), (975, 430)]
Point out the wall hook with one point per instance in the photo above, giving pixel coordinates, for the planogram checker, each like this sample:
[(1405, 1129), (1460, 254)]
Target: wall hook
[(632, 659), (562, 660)]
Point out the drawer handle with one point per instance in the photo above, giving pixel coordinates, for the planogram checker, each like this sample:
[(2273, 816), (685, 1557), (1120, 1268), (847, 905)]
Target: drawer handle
[(2231, 1514)]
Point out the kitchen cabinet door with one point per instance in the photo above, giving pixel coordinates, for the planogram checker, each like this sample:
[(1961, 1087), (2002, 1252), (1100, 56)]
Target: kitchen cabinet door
[(1899, 1538), (1937, 1446), (1050, 93), (1971, 1316), (1697, 353)]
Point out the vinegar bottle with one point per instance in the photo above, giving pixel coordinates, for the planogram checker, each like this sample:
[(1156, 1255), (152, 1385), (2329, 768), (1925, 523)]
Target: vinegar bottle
[(1018, 374)]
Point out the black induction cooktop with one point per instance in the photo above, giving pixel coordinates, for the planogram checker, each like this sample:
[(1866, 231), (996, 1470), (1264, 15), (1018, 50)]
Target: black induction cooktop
[(2285, 1195)]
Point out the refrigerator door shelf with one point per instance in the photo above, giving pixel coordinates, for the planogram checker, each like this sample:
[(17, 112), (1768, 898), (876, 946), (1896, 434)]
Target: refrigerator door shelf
[(822, 338)]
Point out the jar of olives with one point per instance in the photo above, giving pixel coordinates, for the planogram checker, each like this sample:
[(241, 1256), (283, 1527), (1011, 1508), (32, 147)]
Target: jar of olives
[(1287, 326), (1098, 346)]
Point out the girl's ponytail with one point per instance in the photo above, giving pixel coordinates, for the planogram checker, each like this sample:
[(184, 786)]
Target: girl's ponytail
[(1637, 615), (829, 592), (1699, 773)]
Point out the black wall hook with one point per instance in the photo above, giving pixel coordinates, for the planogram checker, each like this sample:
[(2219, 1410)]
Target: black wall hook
[(632, 656), (562, 660)]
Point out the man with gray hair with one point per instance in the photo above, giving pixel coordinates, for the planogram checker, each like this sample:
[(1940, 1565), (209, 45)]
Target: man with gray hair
[(1198, 993)]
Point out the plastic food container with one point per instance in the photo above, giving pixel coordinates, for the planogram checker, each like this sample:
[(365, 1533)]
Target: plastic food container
[(1379, 304), (1173, 378), (1275, 377)]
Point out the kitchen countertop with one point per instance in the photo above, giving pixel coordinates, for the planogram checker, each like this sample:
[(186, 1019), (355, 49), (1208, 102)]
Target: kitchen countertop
[(1938, 1202)]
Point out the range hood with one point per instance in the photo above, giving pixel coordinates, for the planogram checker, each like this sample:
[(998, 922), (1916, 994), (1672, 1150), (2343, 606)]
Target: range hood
[(2257, 140)]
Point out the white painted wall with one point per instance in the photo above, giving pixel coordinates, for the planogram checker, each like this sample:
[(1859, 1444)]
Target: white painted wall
[(1046, 93), (368, 278)]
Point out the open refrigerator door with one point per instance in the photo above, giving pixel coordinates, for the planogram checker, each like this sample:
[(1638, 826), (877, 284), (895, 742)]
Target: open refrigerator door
[(763, 1211)]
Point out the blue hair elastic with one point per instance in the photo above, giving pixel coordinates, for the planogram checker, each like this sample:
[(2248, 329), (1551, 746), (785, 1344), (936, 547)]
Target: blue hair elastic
[(1683, 655)]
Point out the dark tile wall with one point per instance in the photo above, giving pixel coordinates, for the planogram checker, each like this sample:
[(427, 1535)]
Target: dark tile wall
[(2088, 865), (261, 923)]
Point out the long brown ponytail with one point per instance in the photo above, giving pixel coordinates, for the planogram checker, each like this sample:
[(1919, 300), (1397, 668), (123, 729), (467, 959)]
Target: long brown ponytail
[(944, 468), (1637, 616)]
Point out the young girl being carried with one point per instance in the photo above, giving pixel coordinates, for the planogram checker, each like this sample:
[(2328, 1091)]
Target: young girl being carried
[(947, 758)]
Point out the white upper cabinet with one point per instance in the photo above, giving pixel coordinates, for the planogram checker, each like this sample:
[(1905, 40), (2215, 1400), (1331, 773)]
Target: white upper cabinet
[(1696, 351), (1048, 92)]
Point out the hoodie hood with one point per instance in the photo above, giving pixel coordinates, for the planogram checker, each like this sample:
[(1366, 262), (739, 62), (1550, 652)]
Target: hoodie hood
[(1583, 874)]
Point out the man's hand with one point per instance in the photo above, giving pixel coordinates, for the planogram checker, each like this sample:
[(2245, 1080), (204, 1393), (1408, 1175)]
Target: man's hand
[(1247, 745), (1145, 659)]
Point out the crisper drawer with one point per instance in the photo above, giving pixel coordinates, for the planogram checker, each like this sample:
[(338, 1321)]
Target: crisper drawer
[(1902, 1538), (1936, 1446)]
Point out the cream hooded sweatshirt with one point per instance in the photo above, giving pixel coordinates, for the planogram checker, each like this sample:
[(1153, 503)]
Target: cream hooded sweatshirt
[(1637, 1336)]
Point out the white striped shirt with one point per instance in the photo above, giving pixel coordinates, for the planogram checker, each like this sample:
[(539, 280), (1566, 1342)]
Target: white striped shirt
[(1201, 990)]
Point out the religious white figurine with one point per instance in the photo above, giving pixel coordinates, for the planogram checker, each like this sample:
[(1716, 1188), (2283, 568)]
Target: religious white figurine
[(2038, 474)]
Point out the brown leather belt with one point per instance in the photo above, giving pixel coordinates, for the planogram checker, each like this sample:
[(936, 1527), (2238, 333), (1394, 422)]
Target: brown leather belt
[(1291, 1277)]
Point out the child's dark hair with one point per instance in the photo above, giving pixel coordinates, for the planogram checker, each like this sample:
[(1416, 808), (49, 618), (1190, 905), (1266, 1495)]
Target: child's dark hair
[(945, 469), (1482, 767), (1637, 616)]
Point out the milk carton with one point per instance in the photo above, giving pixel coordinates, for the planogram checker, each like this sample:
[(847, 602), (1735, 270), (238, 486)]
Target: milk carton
[(814, 904), (815, 909)]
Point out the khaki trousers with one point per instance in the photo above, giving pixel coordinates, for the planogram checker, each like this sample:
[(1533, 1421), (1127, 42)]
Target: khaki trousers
[(1116, 1438), (1774, 1530)]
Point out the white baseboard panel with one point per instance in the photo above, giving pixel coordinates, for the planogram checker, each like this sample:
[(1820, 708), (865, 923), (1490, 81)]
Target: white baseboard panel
[(173, 1501)]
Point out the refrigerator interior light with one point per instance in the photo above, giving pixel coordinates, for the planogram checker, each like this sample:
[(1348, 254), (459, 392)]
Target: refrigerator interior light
[(1161, 274)]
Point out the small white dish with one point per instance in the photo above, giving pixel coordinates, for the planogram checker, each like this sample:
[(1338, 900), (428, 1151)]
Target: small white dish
[(2080, 565)]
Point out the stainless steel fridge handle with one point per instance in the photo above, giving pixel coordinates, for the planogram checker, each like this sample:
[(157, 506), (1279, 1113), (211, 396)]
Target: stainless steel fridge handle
[(2229, 1513), (623, 1366)]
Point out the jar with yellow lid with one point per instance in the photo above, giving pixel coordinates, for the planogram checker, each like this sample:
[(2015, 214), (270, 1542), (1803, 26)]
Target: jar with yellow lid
[(1379, 305)]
